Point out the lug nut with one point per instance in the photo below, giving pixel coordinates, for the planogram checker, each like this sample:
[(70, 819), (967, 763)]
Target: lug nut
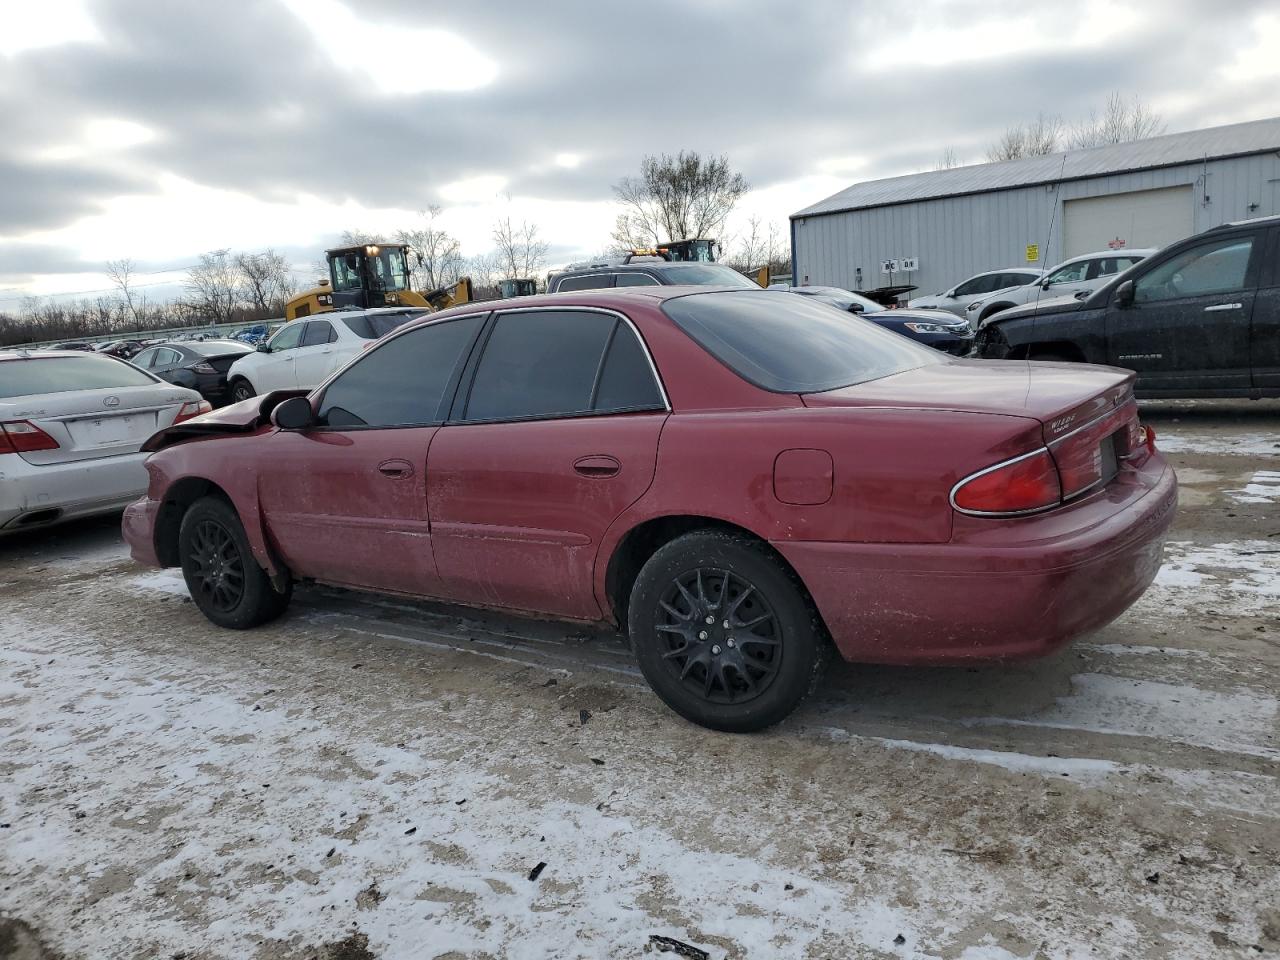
[(726, 624), (731, 642), (716, 649), (702, 634), (710, 620)]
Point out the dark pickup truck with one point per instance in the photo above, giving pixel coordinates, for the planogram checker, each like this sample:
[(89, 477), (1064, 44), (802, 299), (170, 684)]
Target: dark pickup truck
[(1201, 318)]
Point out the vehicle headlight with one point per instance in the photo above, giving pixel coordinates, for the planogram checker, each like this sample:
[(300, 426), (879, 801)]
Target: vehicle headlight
[(920, 327)]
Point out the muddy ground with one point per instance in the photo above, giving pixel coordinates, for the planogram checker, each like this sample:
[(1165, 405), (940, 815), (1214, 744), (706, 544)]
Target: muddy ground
[(374, 778)]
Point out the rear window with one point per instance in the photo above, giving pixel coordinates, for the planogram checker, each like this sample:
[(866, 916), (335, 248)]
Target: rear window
[(707, 275), (373, 326), (217, 348), (794, 344), (25, 378)]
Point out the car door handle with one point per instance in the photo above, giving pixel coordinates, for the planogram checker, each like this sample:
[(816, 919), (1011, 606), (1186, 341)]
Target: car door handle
[(396, 469), (598, 467), (1224, 306)]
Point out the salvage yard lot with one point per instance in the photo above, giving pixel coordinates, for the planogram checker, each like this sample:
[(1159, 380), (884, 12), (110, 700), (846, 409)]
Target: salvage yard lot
[(370, 777)]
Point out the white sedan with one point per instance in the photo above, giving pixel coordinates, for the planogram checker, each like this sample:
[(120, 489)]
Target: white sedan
[(303, 353), (978, 287), (71, 425)]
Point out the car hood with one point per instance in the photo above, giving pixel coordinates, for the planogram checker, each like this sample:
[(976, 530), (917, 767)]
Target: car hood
[(925, 316), (930, 301), (243, 417), (1056, 305)]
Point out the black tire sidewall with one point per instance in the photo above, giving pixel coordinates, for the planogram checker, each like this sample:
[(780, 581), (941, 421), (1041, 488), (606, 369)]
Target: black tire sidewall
[(802, 638), (235, 391), (260, 601)]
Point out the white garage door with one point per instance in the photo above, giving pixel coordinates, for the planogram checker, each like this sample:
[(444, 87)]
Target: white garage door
[(1144, 218)]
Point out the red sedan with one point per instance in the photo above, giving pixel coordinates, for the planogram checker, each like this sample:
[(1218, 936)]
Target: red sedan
[(734, 477)]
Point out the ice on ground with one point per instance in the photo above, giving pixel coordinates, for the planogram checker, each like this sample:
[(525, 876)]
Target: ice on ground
[(1264, 487), (166, 581), (1172, 440), (1239, 578)]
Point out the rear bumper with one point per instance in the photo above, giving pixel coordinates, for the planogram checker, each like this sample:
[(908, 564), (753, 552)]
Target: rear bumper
[(32, 496), (1002, 589), (139, 529)]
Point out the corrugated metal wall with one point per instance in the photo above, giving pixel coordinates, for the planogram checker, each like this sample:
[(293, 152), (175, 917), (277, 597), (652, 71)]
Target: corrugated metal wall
[(955, 237)]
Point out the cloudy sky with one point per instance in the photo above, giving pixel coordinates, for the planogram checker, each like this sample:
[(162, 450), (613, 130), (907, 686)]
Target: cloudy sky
[(158, 129)]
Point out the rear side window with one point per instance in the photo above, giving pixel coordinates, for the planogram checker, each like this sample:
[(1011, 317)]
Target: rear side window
[(373, 326), (793, 344), (37, 375), (402, 382), (540, 364), (589, 281), (634, 280)]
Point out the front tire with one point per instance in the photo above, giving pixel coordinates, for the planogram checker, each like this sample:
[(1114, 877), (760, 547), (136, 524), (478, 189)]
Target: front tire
[(724, 633), (225, 581), (241, 389)]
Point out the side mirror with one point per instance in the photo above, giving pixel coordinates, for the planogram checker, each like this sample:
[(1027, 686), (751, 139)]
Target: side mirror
[(1124, 295), (263, 347), (1045, 285), (950, 293), (855, 308), (293, 414)]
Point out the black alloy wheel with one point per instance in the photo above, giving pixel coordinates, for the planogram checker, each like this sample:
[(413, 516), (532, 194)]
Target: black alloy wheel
[(720, 636), (218, 567)]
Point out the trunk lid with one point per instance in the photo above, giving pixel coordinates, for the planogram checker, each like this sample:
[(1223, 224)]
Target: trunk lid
[(90, 424)]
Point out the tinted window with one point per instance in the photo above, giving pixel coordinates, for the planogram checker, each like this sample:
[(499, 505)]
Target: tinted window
[(402, 381), (539, 364), (1209, 268), (634, 280), (793, 344), (1017, 279), (626, 381), (317, 332), (146, 358), (287, 337), (589, 281), (970, 287), (166, 358), (24, 378), (708, 274), (374, 325)]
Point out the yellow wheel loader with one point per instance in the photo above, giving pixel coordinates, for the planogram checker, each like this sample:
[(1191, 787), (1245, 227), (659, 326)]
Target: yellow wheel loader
[(372, 275)]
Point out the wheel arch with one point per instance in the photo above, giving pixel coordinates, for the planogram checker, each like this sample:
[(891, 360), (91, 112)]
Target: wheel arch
[(634, 547), (993, 309), (177, 499)]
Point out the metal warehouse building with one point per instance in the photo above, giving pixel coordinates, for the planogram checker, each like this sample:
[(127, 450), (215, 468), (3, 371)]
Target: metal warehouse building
[(935, 229)]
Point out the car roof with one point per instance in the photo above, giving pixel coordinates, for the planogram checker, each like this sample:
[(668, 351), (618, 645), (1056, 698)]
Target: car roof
[(1103, 254), (610, 298)]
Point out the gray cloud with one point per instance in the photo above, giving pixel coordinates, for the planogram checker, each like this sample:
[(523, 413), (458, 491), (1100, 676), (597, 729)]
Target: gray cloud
[(244, 99)]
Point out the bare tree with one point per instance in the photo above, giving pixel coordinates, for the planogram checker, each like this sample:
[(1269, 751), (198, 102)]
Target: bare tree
[(214, 286), (674, 198), (485, 271), (435, 256), (122, 273), (948, 160), (1035, 139), (266, 280), (1122, 120), (354, 238), (520, 252)]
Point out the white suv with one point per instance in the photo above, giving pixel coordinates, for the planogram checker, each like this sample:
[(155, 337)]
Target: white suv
[(1076, 277), (978, 287), (303, 353)]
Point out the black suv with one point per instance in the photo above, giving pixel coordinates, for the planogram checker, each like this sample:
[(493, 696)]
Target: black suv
[(1201, 318), (647, 273)]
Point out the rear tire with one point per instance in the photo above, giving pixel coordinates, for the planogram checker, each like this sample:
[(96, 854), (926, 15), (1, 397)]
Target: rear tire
[(241, 389), (724, 633), (225, 581)]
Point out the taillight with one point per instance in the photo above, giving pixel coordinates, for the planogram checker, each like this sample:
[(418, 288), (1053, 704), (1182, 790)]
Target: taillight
[(22, 436), (1021, 485), (203, 366), (193, 408), (1147, 436)]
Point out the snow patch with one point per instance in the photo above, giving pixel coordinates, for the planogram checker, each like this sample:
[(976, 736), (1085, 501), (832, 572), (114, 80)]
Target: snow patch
[(1205, 444), (165, 581), (1237, 578)]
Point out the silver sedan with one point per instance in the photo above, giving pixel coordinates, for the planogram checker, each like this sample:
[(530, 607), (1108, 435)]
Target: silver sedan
[(71, 425)]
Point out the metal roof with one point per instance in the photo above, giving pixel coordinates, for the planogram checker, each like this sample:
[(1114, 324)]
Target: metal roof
[(1256, 136)]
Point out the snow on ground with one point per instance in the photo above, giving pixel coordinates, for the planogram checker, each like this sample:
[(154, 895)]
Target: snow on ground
[(1239, 577), (1264, 487), (1171, 439)]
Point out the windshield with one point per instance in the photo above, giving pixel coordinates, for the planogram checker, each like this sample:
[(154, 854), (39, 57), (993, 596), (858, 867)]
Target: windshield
[(793, 344), (843, 297), (388, 269), (372, 326), (38, 375), (706, 275)]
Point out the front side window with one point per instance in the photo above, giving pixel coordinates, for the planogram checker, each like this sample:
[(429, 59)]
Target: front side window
[(288, 337), (1071, 273), (346, 271), (1110, 266), (793, 344), (318, 332), (39, 375), (401, 382), (1220, 267), (634, 280), (551, 363)]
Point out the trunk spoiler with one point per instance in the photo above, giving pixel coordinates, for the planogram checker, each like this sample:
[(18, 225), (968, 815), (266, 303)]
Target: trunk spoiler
[(244, 417)]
